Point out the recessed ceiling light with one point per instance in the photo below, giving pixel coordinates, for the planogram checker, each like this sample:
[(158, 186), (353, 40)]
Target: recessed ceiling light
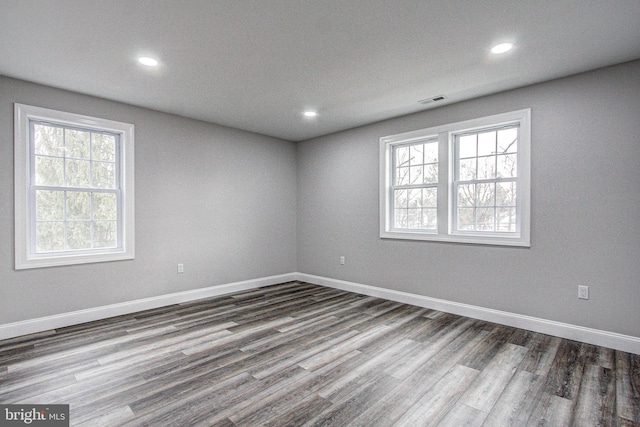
[(148, 61), (502, 48), (310, 113)]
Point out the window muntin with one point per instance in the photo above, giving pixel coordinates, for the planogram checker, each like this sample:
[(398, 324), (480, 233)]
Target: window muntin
[(482, 189), (73, 188), (415, 185)]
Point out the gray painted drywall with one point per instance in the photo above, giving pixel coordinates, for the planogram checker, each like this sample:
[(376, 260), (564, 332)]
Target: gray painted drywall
[(197, 203), (219, 200), (585, 224)]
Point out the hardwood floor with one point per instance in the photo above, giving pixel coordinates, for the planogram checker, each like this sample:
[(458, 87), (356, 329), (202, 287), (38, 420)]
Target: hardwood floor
[(299, 354)]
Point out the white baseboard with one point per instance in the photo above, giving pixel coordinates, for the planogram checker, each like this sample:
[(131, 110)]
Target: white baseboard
[(564, 330), (612, 340), (47, 323)]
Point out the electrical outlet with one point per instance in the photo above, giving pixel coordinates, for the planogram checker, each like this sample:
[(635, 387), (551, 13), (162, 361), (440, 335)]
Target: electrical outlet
[(180, 268), (342, 260), (583, 292)]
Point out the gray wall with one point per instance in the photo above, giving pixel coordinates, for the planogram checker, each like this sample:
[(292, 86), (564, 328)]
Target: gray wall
[(219, 200), (223, 202), (585, 209)]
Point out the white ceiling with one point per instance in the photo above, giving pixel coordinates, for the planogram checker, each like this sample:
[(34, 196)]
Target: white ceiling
[(257, 64)]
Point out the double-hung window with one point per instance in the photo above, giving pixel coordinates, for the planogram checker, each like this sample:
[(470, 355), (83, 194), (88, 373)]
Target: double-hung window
[(464, 182), (73, 188), (414, 186)]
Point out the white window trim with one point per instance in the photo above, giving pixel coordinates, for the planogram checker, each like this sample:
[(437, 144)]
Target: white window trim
[(24, 255), (445, 135)]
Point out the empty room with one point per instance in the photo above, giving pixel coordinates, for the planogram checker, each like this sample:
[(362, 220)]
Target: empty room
[(306, 213)]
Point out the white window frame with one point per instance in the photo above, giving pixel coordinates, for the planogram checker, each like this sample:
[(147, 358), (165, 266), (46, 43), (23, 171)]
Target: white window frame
[(25, 253), (446, 135)]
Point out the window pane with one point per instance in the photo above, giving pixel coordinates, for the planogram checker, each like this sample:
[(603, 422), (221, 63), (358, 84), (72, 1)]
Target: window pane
[(104, 234), (104, 175), (416, 154), (486, 143), (430, 197), (485, 194), (487, 167), (48, 140), (467, 195), (506, 220), (79, 235), (103, 147), (506, 194), (78, 205), (104, 206), (467, 170), (431, 152), (402, 176), (49, 205), (430, 219), (49, 236), (49, 171), (485, 219), (507, 166), (467, 146), (415, 198), (415, 174), (77, 143), (402, 156), (400, 218), (414, 218), (400, 198), (77, 173), (430, 174), (466, 219), (508, 140)]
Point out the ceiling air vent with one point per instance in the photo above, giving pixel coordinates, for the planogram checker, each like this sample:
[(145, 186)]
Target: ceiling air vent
[(433, 99)]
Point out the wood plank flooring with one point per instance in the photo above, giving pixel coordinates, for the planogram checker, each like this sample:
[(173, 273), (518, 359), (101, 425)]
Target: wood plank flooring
[(298, 354)]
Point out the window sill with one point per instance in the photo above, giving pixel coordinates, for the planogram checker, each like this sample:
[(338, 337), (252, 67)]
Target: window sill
[(42, 261), (518, 241)]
